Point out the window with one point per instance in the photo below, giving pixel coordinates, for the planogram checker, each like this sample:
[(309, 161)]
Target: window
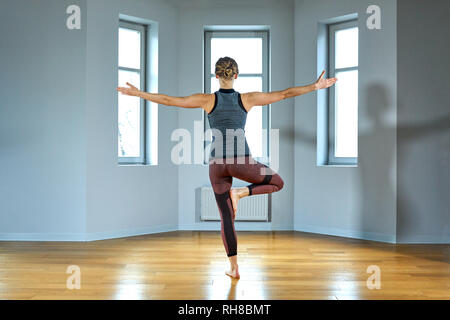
[(131, 113), (343, 97), (250, 50)]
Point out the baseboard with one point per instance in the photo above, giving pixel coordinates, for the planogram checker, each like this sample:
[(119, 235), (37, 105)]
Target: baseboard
[(93, 236), (42, 236), (283, 228), (433, 239), (372, 236), (214, 226), (238, 226)]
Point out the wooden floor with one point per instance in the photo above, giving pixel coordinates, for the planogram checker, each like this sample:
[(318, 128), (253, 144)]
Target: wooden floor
[(191, 264)]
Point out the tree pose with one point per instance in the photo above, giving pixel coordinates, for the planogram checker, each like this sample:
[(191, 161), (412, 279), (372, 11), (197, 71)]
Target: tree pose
[(227, 113)]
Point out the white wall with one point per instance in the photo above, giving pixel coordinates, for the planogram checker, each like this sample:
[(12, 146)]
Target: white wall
[(355, 202), (58, 122), (423, 204), (42, 127), (127, 200), (58, 145), (194, 15)]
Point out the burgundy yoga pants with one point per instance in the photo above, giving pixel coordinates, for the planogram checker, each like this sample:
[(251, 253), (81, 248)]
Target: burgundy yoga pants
[(262, 179)]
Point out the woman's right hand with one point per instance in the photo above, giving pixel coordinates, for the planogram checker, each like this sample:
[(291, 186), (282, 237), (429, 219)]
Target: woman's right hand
[(131, 90)]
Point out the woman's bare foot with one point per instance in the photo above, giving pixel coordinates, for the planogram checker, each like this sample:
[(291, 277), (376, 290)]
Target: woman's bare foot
[(236, 195), (234, 200), (234, 272)]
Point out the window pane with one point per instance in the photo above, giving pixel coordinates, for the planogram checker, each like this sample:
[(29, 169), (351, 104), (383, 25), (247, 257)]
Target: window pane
[(346, 43), (246, 51), (346, 114), (129, 48), (129, 117), (254, 124)]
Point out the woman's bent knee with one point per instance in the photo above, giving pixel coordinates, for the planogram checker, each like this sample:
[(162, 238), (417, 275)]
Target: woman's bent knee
[(278, 181)]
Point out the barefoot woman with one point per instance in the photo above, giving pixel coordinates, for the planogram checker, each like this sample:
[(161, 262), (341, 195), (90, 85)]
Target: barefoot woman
[(227, 113)]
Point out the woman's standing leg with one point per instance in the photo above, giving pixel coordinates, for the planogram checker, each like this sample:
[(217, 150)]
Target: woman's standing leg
[(221, 183)]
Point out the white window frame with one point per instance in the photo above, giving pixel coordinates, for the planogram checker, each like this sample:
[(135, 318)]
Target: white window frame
[(143, 75), (332, 28), (264, 35)]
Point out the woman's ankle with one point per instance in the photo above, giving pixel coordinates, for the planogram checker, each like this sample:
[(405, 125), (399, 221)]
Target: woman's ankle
[(233, 261), (243, 192)]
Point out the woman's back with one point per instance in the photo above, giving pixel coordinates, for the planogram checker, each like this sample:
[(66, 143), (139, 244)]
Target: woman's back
[(227, 120)]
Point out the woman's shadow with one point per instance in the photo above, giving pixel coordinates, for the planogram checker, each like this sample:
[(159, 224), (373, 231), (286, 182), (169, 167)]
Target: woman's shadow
[(376, 160)]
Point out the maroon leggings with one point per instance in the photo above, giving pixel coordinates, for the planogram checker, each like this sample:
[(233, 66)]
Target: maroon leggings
[(262, 179)]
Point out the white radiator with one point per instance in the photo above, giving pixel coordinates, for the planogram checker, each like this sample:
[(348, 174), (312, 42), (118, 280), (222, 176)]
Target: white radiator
[(253, 208)]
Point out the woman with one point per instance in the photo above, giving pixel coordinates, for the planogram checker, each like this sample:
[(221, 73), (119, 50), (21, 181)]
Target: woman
[(227, 113)]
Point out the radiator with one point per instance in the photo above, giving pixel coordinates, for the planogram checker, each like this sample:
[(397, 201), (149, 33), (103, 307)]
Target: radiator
[(253, 208)]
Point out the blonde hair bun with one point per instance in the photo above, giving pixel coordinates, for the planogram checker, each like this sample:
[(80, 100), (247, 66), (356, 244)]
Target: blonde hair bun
[(226, 68)]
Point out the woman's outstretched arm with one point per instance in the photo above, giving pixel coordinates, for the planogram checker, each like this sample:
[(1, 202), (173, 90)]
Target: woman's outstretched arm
[(265, 98), (197, 100)]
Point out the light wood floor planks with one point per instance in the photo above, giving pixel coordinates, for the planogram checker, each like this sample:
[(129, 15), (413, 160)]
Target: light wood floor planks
[(191, 265)]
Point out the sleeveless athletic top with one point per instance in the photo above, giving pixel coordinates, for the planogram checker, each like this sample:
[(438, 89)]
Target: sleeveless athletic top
[(228, 113)]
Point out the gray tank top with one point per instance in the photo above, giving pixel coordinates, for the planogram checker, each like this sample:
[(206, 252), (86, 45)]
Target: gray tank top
[(227, 121)]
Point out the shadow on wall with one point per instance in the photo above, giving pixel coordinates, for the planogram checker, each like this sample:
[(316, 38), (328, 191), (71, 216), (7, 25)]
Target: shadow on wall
[(423, 210), (376, 161), (380, 186)]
